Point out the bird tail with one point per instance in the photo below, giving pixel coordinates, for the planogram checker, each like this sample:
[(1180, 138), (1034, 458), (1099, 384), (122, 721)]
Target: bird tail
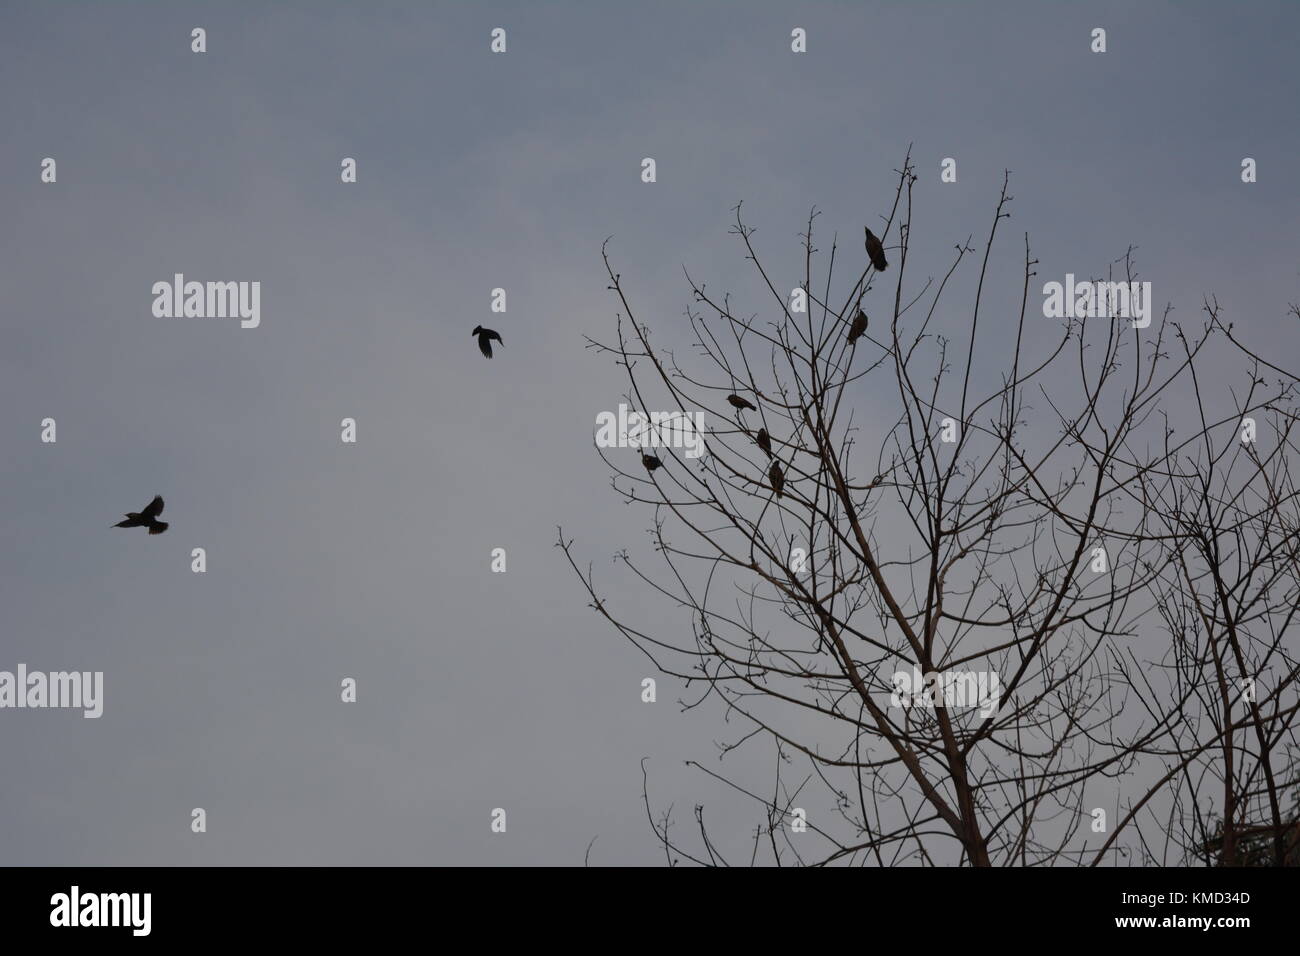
[(158, 527)]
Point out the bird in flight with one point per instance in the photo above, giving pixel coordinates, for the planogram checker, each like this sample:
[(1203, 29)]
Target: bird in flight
[(778, 479), (485, 337), (651, 462), (737, 402), (148, 518), (765, 441), (876, 251), (859, 326)]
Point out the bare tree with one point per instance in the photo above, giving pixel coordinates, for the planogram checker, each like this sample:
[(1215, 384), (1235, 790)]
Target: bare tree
[(1016, 519), (1229, 601)]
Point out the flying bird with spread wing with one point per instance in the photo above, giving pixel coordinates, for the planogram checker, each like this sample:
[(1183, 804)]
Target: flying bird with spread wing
[(876, 251), (148, 518), (859, 327), (485, 337), (739, 403)]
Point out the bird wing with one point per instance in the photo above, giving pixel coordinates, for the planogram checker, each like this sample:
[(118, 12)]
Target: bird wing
[(497, 336), (128, 523), (484, 345), (154, 508), (876, 251), (157, 527)]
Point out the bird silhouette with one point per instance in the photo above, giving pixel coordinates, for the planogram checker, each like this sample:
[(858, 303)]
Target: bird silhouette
[(148, 518), (876, 251), (737, 402), (485, 337), (765, 441), (778, 479), (651, 462), (859, 326)]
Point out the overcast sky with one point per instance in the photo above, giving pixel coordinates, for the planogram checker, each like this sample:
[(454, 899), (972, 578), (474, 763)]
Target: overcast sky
[(479, 690)]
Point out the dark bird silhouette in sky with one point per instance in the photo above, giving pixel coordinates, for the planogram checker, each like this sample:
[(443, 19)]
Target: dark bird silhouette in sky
[(737, 402), (651, 462), (778, 479), (148, 518), (876, 251), (485, 337), (859, 326), (765, 441)]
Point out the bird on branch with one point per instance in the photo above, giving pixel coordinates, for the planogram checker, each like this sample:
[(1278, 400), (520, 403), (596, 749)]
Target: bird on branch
[(859, 326), (876, 252), (777, 478)]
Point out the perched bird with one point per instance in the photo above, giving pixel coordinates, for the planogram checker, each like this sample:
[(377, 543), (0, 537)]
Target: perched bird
[(765, 441), (876, 251), (148, 518), (737, 402), (859, 326), (651, 462), (485, 337), (778, 479)]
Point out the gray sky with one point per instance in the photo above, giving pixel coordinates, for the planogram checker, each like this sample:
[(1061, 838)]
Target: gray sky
[(481, 690)]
